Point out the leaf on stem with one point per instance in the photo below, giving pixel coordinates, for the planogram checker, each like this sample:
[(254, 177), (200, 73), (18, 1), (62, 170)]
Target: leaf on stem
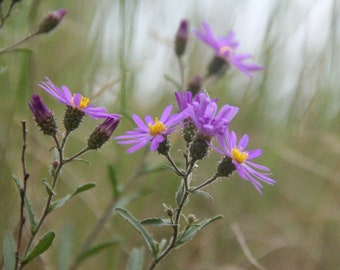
[(143, 232), (59, 203), (136, 259), (48, 187), (96, 249), (113, 180), (157, 222), (189, 233), (44, 243), (9, 251), (203, 194)]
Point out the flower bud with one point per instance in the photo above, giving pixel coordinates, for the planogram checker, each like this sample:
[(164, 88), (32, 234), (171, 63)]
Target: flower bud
[(218, 66), (72, 118), (181, 38), (225, 167), (51, 20), (189, 130), (192, 219), (43, 116), (102, 133), (195, 85)]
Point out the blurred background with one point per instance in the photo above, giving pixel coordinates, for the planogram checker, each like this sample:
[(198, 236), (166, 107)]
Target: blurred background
[(118, 53)]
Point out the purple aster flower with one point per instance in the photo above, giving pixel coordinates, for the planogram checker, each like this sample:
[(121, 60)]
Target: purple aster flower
[(103, 132), (203, 114), (75, 101), (225, 48), (237, 158), (154, 131), (43, 116)]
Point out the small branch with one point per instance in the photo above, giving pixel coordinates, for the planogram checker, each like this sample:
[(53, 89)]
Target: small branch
[(241, 240), (8, 13), (16, 44), (169, 158), (76, 155), (22, 193), (209, 181)]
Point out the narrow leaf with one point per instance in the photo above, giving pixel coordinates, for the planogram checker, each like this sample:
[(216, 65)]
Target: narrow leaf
[(17, 182), (94, 250), (189, 234), (157, 222), (30, 213), (59, 203), (48, 187), (44, 243), (136, 259), (83, 188), (203, 194), (144, 233), (179, 193), (113, 180), (9, 251)]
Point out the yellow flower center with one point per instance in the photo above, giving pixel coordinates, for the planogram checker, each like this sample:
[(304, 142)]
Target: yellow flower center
[(84, 102), (238, 155), (157, 128), (227, 49)]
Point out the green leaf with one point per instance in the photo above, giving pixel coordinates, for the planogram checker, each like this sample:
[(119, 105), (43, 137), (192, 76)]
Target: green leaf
[(8, 251), (179, 193), (17, 182), (83, 188), (113, 180), (28, 205), (44, 243), (144, 233), (48, 187), (59, 203), (188, 234), (157, 222), (30, 213), (136, 259), (203, 194), (94, 250)]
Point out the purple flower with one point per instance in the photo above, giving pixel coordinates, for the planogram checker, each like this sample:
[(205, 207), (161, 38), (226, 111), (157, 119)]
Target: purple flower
[(203, 114), (103, 132), (43, 116), (240, 158), (154, 131), (225, 48), (75, 101)]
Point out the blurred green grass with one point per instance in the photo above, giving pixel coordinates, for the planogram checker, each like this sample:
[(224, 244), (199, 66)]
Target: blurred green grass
[(294, 225)]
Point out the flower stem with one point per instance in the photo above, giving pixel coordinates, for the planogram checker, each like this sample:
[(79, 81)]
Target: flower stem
[(16, 44), (209, 181)]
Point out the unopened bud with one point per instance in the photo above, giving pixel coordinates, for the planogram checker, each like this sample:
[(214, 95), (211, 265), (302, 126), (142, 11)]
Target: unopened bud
[(181, 38), (192, 219), (43, 116), (102, 133), (51, 20)]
